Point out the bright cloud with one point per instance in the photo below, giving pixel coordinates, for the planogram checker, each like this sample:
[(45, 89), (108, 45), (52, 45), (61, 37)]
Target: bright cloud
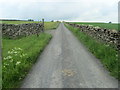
[(71, 10)]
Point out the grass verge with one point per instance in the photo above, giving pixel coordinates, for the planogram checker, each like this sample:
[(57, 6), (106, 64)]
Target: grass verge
[(107, 54), (51, 25), (18, 57)]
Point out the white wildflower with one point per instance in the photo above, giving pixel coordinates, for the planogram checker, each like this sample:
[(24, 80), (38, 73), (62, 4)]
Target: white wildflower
[(18, 63), (21, 56), (6, 64), (4, 58), (15, 48), (19, 49), (8, 57), (11, 60), (107, 45), (9, 52), (116, 59), (24, 54), (12, 49), (15, 52)]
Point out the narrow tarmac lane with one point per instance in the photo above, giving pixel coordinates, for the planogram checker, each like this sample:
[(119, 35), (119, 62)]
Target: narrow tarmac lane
[(66, 63)]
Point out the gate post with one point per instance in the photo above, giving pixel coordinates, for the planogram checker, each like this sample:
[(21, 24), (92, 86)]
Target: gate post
[(43, 25)]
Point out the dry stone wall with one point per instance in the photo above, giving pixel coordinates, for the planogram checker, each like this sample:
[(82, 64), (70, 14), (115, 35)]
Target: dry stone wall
[(103, 34), (14, 31)]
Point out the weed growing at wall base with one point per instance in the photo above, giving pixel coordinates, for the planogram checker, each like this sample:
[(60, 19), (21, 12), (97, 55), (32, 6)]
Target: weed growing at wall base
[(18, 57)]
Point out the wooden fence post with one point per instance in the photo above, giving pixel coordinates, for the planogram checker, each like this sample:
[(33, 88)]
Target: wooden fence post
[(43, 24), (37, 32)]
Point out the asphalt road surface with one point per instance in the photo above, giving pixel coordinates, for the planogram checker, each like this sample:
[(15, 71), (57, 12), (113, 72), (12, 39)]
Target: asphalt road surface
[(66, 63)]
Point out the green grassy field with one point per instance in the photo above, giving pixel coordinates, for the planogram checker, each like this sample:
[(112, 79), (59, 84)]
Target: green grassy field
[(107, 54), (20, 54), (51, 25), (17, 22), (102, 25)]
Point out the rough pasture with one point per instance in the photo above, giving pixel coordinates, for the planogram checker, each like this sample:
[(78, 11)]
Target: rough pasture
[(101, 25)]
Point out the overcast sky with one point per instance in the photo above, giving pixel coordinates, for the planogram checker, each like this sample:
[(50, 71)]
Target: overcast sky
[(71, 10)]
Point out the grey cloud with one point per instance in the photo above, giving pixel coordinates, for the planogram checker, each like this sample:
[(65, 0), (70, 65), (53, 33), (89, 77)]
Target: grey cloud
[(82, 10)]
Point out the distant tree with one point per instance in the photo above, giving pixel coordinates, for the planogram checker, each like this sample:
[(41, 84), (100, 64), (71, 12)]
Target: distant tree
[(110, 22), (52, 21), (30, 20)]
